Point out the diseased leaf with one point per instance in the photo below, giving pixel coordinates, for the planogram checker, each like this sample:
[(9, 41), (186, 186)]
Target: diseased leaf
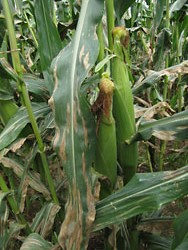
[(33, 178), (35, 242), (4, 215), (74, 125), (8, 71), (144, 193), (155, 76), (19, 121), (169, 128), (9, 234), (44, 220)]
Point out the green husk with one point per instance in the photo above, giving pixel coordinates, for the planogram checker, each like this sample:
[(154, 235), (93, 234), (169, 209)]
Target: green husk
[(106, 155), (123, 109)]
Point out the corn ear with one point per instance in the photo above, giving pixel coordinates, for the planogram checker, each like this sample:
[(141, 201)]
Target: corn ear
[(106, 152), (123, 109)]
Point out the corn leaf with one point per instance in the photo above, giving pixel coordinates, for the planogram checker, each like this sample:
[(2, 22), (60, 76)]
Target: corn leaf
[(180, 226), (121, 6), (35, 242), (4, 216), (19, 121), (160, 7), (74, 129), (155, 76), (2, 31), (33, 178), (48, 38), (9, 234), (177, 5), (169, 128), (144, 193), (2, 196), (156, 242), (44, 220), (36, 86), (163, 45)]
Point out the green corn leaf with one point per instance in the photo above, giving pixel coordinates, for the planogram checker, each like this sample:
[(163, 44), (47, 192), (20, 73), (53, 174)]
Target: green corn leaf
[(180, 226), (2, 30), (8, 71), (156, 242), (162, 47), (121, 6), (2, 196), (35, 242), (7, 110), (44, 219), (160, 7), (36, 86), (144, 193), (48, 38), (101, 64), (169, 128), (19, 121), (155, 76), (177, 5), (74, 125)]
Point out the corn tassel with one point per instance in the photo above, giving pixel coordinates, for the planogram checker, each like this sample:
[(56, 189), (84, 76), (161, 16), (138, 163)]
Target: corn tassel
[(123, 108), (106, 155)]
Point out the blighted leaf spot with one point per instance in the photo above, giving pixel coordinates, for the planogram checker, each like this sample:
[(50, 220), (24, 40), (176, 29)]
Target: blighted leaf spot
[(62, 148), (84, 58), (90, 198), (95, 34), (165, 135), (68, 119), (86, 61), (85, 132), (55, 77), (75, 118), (51, 103), (57, 136), (81, 54)]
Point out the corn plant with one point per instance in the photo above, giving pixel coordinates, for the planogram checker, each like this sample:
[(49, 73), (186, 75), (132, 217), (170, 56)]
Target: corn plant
[(81, 83)]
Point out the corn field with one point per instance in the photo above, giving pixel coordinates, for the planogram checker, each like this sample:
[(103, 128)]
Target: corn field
[(93, 124)]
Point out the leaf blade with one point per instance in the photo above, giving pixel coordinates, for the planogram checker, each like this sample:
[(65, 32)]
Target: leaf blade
[(74, 128), (144, 193)]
